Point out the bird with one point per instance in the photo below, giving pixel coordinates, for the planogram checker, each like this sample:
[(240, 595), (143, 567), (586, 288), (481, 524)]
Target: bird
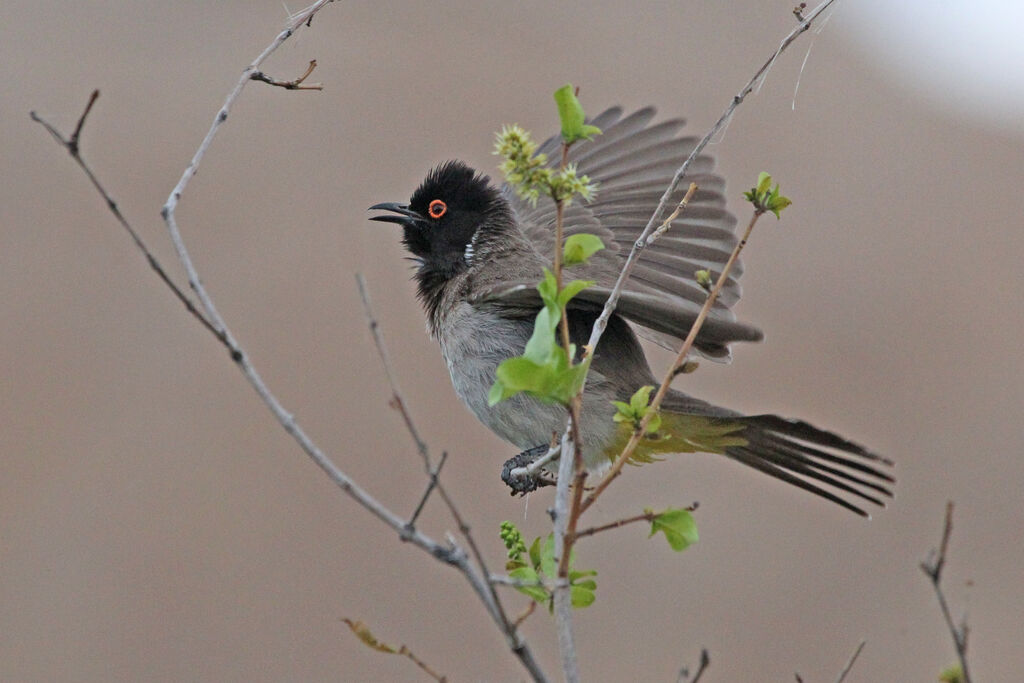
[(479, 250)]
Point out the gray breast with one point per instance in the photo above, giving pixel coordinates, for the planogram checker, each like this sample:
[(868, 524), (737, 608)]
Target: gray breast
[(473, 342)]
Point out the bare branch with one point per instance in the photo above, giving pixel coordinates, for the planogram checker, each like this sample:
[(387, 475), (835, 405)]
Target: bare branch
[(431, 485), (932, 567), (680, 207), (525, 614), (645, 517), (849, 662), (72, 146), (396, 396), (73, 140), (295, 84)]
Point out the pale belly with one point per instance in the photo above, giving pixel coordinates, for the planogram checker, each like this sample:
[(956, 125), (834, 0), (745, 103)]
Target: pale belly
[(474, 342)]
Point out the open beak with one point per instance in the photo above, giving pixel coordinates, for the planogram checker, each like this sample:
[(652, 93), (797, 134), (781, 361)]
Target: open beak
[(403, 215)]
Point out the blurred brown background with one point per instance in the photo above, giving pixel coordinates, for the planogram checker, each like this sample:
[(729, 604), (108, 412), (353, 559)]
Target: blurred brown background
[(156, 524)]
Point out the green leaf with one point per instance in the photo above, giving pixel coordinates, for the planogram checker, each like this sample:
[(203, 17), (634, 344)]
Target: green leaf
[(624, 412), (654, 424), (542, 342), (570, 290), (778, 203), (640, 398), (548, 289), (580, 247), (679, 528), (764, 181), (538, 593), (521, 374), (766, 198), (582, 596), (535, 553), (547, 557), (570, 112)]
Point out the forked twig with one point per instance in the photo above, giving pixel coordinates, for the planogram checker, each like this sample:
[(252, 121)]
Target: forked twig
[(680, 207), (72, 146), (932, 567)]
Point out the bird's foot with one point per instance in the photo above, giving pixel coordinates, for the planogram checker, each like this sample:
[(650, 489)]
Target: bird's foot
[(520, 477)]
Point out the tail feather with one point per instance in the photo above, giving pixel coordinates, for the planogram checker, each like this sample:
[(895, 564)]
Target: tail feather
[(783, 450), (793, 451), (755, 460)]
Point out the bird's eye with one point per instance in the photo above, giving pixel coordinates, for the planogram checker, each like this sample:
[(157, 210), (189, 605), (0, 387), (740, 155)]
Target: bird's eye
[(437, 209)]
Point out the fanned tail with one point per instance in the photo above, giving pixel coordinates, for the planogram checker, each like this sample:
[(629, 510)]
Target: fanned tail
[(814, 460)]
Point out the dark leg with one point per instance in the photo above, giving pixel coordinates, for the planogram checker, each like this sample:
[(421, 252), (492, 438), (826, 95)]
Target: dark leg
[(525, 484)]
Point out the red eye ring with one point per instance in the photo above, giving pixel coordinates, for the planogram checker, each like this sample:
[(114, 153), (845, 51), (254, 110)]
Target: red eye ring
[(437, 209)]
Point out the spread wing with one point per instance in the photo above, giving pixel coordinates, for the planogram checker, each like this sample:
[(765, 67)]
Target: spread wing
[(633, 163)]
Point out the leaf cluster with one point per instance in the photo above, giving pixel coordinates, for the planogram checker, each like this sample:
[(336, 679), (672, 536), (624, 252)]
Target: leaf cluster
[(765, 198), (544, 371), (637, 408), (537, 567)]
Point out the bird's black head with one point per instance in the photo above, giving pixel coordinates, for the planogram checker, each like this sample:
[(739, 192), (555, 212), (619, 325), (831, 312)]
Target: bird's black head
[(443, 216), (443, 223)]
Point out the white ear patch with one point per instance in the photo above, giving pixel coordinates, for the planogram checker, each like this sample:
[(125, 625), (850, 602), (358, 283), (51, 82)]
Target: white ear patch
[(467, 255)]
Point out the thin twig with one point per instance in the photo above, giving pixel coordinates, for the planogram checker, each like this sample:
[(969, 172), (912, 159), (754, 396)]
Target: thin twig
[(564, 516), (295, 84), (431, 485), (849, 663), (680, 207), (72, 146), (932, 567), (404, 650), (396, 396), (72, 142), (525, 614), (562, 596), (646, 516), (506, 580), (705, 661)]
